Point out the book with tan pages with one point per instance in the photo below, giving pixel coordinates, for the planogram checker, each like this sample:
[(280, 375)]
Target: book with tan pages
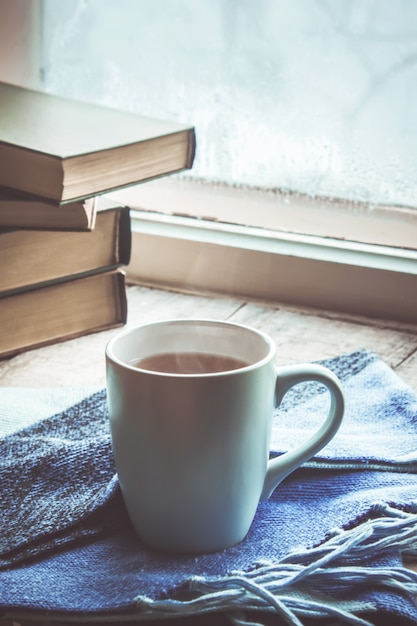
[(62, 149), (62, 311), (18, 210), (31, 257)]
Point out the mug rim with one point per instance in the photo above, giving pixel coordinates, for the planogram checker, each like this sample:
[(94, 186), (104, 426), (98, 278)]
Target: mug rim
[(270, 355)]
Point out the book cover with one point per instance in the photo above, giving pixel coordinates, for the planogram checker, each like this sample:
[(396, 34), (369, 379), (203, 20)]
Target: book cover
[(62, 311), (18, 210), (63, 150), (31, 257)]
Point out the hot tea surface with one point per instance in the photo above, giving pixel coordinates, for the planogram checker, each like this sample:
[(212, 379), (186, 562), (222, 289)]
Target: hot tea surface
[(189, 363)]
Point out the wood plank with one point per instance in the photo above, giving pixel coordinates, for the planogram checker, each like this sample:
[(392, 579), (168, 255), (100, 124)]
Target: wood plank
[(301, 336), (408, 370), (80, 362), (147, 305)]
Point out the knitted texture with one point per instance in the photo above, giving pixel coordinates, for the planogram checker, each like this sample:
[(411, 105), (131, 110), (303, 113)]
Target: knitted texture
[(328, 543)]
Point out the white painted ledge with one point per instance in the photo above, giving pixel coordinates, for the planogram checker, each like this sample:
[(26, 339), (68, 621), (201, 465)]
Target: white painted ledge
[(202, 256)]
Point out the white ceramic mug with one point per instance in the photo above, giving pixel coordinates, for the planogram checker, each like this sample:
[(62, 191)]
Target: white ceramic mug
[(192, 450)]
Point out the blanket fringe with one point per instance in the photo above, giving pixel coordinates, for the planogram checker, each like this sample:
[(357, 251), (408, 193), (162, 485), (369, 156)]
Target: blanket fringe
[(307, 582)]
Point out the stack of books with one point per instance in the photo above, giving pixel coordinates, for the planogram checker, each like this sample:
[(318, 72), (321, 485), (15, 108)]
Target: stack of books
[(63, 244)]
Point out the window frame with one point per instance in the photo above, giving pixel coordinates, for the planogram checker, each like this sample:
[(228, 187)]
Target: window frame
[(20, 34), (191, 253), (187, 253)]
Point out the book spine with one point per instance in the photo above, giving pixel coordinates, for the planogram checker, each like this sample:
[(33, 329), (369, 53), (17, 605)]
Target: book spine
[(120, 298), (192, 146), (124, 237)]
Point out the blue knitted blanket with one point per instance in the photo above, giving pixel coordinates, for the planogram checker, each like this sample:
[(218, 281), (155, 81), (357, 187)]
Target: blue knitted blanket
[(329, 543)]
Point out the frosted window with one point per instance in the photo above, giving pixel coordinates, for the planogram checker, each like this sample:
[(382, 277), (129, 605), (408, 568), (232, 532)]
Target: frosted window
[(309, 95)]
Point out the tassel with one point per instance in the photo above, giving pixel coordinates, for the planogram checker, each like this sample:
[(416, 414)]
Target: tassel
[(308, 582)]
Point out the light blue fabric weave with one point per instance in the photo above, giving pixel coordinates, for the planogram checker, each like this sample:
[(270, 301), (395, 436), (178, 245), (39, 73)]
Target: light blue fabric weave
[(327, 544)]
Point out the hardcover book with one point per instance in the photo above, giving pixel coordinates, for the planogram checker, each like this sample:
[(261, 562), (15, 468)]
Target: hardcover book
[(62, 150), (31, 257), (61, 311), (21, 211)]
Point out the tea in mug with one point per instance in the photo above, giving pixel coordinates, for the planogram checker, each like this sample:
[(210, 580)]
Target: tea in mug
[(189, 363)]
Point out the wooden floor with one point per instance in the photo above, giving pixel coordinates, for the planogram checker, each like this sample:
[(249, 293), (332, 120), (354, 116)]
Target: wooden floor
[(300, 335)]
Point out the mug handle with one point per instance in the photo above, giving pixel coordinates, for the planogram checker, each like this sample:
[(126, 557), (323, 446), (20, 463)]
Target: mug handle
[(288, 376)]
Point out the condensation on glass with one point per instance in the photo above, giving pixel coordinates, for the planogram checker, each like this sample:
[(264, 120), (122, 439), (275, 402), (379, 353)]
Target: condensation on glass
[(315, 96)]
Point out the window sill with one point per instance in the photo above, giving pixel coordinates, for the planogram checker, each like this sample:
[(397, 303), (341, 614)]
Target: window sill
[(200, 255), (277, 211)]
